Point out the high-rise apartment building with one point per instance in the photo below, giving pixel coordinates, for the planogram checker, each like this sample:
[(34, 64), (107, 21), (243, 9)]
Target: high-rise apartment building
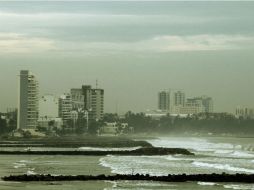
[(179, 98), (28, 104), (77, 97), (164, 100), (89, 99), (65, 107)]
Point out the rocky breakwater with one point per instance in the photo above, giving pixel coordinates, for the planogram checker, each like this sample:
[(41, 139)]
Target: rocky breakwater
[(148, 151), (239, 178)]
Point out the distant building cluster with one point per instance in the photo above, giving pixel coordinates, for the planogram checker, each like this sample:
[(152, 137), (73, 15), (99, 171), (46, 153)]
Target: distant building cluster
[(244, 112), (50, 111), (175, 102)]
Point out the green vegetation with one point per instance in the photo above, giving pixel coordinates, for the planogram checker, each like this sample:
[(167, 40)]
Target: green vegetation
[(216, 123), (203, 123), (8, 122)]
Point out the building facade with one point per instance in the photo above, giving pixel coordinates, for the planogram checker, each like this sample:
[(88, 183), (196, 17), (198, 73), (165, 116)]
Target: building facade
[(65, 107), (187, 109), (28, 101), (77, 98), (205, 102), (164, 101), (89, 99), (179, 98)]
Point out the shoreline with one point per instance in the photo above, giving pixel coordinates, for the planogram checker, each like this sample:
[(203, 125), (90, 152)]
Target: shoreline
[(237, 178)]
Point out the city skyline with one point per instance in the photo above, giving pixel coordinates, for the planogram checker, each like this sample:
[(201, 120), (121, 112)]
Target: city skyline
[(173, 91), (134, 52)]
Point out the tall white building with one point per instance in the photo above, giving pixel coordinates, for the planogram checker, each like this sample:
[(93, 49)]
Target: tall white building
[(28, 104)]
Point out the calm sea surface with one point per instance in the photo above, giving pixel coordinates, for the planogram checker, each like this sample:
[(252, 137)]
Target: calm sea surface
[(213, 155)]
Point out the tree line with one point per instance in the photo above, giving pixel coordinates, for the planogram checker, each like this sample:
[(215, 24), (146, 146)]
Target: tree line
[(216, 123)]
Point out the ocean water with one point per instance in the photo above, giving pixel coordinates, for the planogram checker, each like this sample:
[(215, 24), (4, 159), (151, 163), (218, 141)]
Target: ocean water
[(212, 155)]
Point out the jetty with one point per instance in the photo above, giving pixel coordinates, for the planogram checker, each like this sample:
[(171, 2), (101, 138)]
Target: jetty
[(235, 178), (144, 151)]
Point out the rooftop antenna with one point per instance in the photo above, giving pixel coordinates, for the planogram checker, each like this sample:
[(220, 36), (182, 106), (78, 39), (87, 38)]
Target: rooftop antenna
[(96, 84)]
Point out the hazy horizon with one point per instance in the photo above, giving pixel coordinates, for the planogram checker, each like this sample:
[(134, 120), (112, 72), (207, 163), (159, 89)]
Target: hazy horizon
[(134, 49)]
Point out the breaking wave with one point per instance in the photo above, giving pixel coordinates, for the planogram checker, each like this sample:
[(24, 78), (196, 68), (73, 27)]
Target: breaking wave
[(222, 167)]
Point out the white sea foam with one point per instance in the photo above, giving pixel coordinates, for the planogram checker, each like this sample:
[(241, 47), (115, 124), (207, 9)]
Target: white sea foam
[(139, 185), (248, 148), (207, 183), (132, 164), (47, 162), (239, 147), (222, 167), (26, 161), (190, 143), (114, 184), (30, 172), (233, 154), (240, 187), (19, 165), (23, 161), (214, 157), (223, 151), (242, 154), (108, 149), (177, 158), (11, 182)]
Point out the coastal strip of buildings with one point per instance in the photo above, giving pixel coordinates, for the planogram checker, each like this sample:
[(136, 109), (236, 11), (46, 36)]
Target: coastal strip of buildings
[(50, 111), (81, 105)]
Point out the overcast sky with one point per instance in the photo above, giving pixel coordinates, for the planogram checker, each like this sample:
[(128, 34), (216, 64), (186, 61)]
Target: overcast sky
[(133, 49)]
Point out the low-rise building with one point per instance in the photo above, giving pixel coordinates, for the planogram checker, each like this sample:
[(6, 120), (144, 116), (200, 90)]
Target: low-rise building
[(188, 109), (109, 128), (156, 114), (115, 128)]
